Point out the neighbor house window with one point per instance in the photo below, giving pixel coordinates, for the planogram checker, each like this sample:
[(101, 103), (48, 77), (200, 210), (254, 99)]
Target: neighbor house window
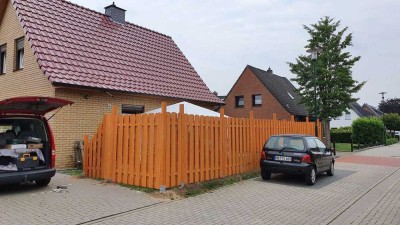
[(19, 54), (257, 100), (132, 109), (3, 55), (347, 116), (239, 101)]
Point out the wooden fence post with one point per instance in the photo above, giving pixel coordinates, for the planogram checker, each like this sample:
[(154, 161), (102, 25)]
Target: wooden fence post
[(160, 171), (110, 131)]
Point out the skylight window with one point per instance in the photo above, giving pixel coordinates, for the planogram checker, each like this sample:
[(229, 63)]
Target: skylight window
[(291, 96)]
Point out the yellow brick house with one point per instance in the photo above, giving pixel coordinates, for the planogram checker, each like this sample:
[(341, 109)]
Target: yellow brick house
[(97, 60)]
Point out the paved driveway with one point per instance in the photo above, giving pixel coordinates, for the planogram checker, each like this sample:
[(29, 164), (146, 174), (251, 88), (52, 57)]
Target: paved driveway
[(86, 200), (361, 192)]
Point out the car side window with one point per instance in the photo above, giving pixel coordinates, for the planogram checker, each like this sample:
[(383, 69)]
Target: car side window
[(320, 145), (311, 144)]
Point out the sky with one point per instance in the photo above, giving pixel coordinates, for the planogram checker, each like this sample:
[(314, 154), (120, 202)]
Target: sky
[(220, 38)]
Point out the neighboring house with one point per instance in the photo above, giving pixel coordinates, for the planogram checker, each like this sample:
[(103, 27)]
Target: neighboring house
[(264, 93), (355, 112), (372, 110), (59, 49)]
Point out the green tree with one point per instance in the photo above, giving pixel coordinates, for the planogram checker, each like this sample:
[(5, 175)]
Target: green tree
[(390, 106), (335, 85), (391, 121)]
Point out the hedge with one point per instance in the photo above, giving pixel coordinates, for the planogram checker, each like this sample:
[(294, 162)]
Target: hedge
[(341, 135), (368, 130), (391, 141)]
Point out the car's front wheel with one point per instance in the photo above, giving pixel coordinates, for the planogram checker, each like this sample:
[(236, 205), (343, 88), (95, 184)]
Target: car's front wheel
[(265, 174), (43, 182), (331, 170), (311, 177)]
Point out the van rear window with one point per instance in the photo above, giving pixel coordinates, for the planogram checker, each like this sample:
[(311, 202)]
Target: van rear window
[(20, 129)]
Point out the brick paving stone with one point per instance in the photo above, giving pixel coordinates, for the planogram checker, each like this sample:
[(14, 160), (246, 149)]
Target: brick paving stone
[(86, 200)]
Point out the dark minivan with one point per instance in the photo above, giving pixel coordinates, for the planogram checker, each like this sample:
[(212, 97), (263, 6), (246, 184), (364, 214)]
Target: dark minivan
[(296, 154), (27, 148)]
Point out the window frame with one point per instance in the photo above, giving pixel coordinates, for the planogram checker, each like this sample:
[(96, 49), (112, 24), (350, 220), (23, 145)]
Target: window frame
[(237, 98), (19, 53), (254, 100), (3, 59), (132, 109)]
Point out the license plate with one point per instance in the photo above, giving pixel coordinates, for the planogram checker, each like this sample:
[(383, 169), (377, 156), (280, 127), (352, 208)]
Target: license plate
[(283, 158)]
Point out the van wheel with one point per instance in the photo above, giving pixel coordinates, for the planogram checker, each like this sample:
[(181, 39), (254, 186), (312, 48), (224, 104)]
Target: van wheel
[(265, 174), (311, 177), (43, 182)]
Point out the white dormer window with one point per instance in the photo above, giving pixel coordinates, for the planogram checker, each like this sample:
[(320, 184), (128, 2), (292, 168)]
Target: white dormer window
[(347, 116), (291, 96)]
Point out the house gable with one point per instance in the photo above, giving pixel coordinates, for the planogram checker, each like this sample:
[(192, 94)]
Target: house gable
[(78, 47), (30, 80), (248, 85)]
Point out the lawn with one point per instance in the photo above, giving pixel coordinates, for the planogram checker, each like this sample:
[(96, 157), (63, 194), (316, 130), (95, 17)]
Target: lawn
[(344, 147)]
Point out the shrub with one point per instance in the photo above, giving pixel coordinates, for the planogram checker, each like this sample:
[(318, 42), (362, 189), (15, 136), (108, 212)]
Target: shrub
[(391, 141), (368, 130), (341, 135), (391, 121)]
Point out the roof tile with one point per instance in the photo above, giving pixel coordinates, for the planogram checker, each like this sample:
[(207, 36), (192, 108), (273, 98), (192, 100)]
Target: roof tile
[(78, 46)]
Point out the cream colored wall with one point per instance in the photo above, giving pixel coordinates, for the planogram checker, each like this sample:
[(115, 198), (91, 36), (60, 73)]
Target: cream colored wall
[(85, 115), (29, 81)]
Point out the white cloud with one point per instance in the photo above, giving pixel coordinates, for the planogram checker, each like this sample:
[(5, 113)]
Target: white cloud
[(220, 37)]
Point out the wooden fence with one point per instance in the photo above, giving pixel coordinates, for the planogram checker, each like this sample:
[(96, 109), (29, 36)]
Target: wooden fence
[(170, 149)]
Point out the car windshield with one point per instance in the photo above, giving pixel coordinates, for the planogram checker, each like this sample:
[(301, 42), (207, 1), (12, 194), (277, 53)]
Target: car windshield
[(283, 142)]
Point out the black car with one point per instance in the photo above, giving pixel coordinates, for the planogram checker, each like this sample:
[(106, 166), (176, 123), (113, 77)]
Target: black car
[(296, 154)]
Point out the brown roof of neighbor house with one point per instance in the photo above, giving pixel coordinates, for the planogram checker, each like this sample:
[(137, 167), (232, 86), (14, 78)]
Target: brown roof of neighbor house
[(282, 89), (80, 47)]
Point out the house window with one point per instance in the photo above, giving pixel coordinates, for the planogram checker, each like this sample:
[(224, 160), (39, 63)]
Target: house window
[(347, 116), (19, 54), (239, 101), (132, 109), (3, 63), (257, 100), (290, 95)]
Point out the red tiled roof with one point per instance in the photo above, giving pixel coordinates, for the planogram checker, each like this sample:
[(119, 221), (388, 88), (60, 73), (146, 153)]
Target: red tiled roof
[(78, 46)]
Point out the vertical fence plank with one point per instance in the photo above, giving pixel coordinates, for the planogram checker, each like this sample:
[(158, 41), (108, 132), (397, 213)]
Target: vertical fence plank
[(212, 148), (174, 150), (151, 149), (139, 150), (119, 161), (168, 151), (86, 157), (207, 148), (131, 151), (93, 154), (144, 152), (100, 150), (202, 151), (191, 149), (125, 150), (197, 148)]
